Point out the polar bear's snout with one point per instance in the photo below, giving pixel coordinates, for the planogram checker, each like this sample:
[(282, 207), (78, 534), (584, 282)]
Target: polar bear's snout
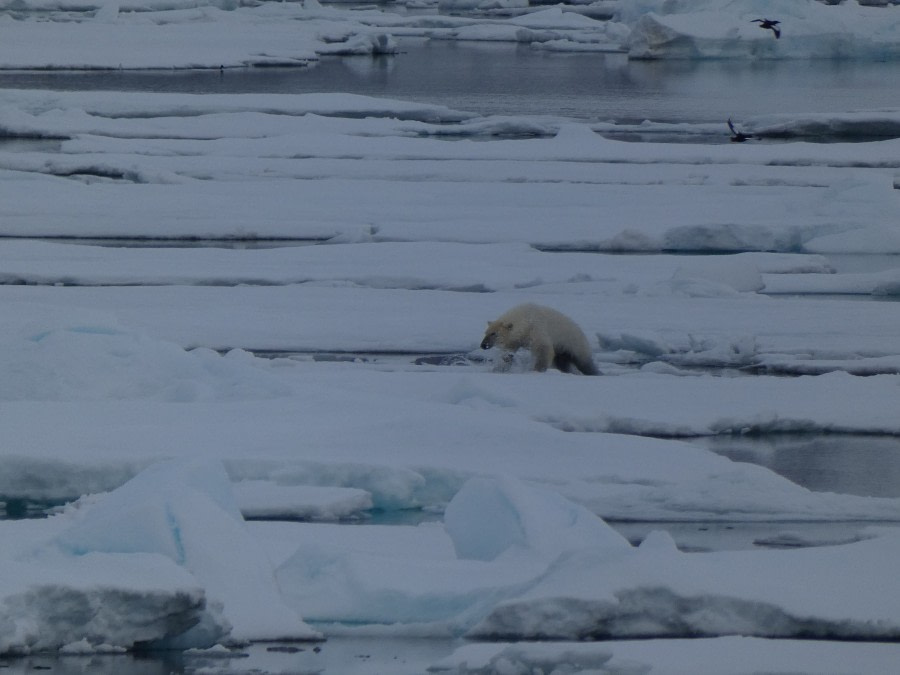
[(488, 340)]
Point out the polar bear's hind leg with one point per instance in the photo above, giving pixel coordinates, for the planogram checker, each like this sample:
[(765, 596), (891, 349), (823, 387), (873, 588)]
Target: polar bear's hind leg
[(586, 366), (570, 363), (564, 362)]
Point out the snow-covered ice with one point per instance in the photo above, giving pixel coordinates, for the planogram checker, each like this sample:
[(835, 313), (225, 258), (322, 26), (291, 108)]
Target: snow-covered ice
[(719, 656), (806, 29), (105, 601), (524, 564), (262, 499), (186, 512), (143, 566), (119, 34), (232, 430), (129, 376)]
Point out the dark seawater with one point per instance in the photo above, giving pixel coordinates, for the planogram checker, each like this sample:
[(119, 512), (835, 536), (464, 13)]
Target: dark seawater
[(858, 465), (510, 79), (340, 656)]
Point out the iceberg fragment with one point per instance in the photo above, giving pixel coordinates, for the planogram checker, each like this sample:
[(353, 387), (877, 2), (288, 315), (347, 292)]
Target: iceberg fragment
[(185, 510)]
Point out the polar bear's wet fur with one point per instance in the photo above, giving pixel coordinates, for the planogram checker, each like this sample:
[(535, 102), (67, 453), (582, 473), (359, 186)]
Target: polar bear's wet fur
[(552, 337)]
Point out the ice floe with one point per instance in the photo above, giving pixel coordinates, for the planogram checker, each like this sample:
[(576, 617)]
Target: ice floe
[(804, 29), (134, 383), (594, 586), (228, 34)]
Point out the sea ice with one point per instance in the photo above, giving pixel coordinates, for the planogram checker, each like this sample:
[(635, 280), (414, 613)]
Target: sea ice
[(717, 656), (807, 29), (493, 519), (225, 34), (594, 585), (660, 592), (103, 601), (156, 395), (187, 513), (265, 499)]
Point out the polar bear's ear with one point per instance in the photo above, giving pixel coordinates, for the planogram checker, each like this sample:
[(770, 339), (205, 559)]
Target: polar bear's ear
[(508, 325)]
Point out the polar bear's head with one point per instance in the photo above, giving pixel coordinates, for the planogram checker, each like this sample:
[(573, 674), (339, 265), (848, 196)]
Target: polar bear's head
[(498, 331)]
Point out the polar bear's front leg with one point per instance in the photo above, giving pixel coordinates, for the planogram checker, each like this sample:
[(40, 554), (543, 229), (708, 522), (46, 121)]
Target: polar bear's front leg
[(504, 363), (542, 352)]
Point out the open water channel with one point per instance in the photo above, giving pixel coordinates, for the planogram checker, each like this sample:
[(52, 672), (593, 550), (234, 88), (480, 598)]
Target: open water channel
[(507, 79), (515, 80)]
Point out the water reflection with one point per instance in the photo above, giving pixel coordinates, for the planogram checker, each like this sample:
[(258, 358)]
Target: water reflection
[(97, 664), (515, 79), (853, 263), (857, 465), (337, 656)]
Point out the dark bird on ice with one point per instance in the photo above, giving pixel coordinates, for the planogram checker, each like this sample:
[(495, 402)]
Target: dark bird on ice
[(737, 136), (769, 24)]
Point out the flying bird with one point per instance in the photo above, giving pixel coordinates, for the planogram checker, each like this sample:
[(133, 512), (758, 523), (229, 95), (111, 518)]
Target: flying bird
[(769, 24), (737, 136)]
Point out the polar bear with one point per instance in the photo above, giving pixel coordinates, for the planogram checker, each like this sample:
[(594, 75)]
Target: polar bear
[(553, 338)]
